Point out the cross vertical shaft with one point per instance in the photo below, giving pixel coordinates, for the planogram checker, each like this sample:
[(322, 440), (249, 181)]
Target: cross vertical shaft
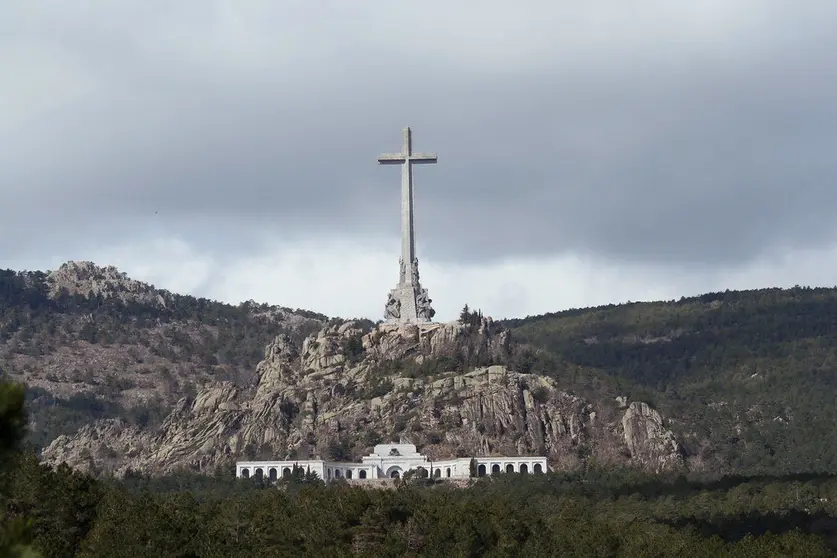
[(408, 228), (408, 302)]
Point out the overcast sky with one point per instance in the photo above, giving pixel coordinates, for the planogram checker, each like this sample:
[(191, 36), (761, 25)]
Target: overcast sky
[(589, 152)]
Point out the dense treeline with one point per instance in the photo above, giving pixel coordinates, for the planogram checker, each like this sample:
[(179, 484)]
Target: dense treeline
[(60, 513), (749, 378), (546, 515)]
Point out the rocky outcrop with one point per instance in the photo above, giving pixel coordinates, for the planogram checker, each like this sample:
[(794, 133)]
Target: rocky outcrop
[(649, 443), (343, 390), (84, 278), (394, 342), (103, 447)]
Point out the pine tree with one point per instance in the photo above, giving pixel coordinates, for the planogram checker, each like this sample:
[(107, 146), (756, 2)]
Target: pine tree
[(369, 535), (15, 532)]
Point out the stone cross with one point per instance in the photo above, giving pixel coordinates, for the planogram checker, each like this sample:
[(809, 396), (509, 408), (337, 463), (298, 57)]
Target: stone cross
[(408, 302)]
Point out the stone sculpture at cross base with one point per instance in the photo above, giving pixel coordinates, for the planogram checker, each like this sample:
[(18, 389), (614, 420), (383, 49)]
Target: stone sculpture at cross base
[(408, 302), (393, 308)]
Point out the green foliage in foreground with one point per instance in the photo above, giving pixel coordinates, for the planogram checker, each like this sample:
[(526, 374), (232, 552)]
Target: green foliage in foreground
[(616, 513), (15, 532)]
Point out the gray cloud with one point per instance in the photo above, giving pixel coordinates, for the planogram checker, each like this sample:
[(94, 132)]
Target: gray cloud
[(687, 153)]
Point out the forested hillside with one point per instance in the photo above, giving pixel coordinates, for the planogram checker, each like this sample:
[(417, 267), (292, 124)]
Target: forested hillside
[(91, 343), (748, 378), (592, 513)]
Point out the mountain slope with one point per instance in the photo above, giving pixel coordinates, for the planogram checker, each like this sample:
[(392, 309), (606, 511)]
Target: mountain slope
[(91, 343), (749, 378)]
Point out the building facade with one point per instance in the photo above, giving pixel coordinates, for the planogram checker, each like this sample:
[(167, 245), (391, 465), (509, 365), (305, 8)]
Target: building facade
[(392, 461)]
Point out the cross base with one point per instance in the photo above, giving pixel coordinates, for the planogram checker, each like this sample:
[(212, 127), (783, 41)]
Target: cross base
[(408, 304)]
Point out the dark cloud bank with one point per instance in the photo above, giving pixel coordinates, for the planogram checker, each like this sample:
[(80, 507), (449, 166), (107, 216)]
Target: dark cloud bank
[(666, 157)]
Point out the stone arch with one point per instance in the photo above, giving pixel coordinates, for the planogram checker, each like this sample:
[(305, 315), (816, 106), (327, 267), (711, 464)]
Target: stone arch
[(338, 473), (510, 468), (349, 474), (328, 473), (422, 473), (481, 470), (495, 469), (394, 472), (362, 474), (259, 472), (271, 474), (524, 468), (538, 468), (447, 472), (437, 473), (286, 472), (245, 473)]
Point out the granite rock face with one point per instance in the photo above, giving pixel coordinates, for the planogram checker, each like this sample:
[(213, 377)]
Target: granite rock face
[(648, 440), (343, 390), (84, 278)]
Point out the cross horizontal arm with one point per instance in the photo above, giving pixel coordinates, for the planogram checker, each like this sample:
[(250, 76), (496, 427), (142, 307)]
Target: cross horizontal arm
[(423, 158), (391, 159), (398, 158)]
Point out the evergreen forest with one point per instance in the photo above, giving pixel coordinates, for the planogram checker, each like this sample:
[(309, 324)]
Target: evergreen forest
[(61, 513)]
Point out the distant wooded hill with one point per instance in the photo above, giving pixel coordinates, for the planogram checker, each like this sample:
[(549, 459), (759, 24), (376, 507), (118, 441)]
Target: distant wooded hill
[(750, 375)]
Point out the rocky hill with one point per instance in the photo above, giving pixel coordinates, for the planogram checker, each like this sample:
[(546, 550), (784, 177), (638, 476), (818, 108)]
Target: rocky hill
[(344, 389)]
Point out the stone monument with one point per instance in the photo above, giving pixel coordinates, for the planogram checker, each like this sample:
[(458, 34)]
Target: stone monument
[(408, 303)]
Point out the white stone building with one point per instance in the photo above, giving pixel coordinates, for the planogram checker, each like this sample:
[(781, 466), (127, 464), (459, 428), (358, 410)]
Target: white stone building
[(392, 461)]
